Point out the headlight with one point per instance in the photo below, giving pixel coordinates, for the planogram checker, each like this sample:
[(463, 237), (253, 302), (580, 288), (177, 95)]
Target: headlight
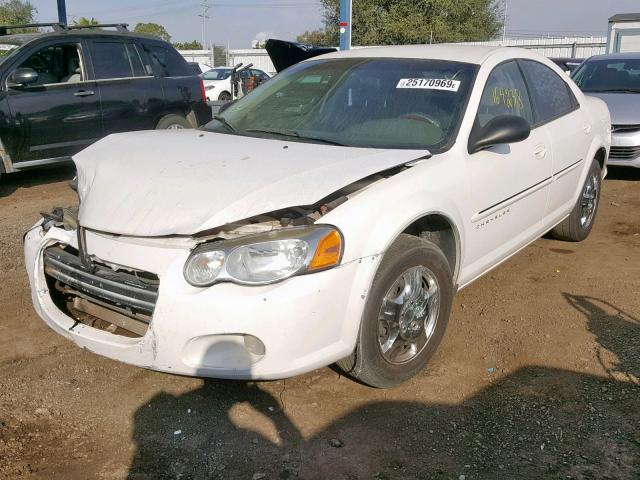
[(265, 258)]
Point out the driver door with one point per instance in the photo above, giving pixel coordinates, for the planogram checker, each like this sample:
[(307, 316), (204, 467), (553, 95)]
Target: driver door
[(59, 114), (507, 185)]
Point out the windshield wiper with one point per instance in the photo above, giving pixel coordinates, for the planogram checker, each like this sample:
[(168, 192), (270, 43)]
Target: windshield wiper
[(224, 122), (294, 134), (615, 90)]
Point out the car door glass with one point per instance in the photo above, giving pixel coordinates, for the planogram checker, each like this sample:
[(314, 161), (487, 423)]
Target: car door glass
[(111, 60), (165, 62), (551, 96), (138, 69), (55, 64), (505, 93)]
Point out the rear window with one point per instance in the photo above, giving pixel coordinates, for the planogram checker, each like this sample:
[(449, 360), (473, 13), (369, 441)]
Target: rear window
[(166, 62), (111, 60), (551, 96)]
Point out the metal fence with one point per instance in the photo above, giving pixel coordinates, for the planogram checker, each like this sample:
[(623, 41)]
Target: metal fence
[(571, 47), (216, 56)]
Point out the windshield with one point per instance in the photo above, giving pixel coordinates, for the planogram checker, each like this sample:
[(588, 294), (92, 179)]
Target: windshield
[(217, 74), (6, 49), (613, 75), (359, 102)]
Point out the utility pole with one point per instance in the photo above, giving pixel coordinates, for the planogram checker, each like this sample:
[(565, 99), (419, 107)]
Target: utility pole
[(345, 24), (204, 17), (504, 21), (62, 12)]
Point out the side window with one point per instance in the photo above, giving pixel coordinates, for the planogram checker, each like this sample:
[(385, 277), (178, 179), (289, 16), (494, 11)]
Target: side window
[(138, 70), (111, 60), (551, 96), (56, 64), (165, 62), (505, 93)]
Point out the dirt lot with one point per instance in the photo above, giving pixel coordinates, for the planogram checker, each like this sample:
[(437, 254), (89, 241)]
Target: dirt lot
[(538, 377)]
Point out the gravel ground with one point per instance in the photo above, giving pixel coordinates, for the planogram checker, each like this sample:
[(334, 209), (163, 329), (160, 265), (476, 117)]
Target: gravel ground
[(538, 377)]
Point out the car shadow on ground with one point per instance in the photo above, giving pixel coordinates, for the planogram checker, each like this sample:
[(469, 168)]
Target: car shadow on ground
[(15, 181), (623, 173), (535, 423)]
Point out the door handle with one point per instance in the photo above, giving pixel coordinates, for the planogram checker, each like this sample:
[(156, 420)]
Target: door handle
[(540, 151), (587, 129), (84, 93)]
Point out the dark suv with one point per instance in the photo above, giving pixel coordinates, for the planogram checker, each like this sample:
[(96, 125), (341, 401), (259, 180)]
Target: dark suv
[(63, 90)]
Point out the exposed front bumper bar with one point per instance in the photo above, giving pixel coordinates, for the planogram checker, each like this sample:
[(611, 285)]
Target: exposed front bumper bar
[(302, 323)]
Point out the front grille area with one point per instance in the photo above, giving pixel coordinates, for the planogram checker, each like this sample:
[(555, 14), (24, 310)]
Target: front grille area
[(115, 299), (624, 153), (625, 128)]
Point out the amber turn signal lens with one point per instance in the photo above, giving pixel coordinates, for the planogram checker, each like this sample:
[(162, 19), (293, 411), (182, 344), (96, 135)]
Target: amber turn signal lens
[(327, 252)]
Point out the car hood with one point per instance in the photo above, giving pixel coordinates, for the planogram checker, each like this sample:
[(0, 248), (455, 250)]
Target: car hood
[(185, 182), (624, 107)]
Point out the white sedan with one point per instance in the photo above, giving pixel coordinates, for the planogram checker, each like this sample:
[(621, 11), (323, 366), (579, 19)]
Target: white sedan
[(329, 216), (217, 82)]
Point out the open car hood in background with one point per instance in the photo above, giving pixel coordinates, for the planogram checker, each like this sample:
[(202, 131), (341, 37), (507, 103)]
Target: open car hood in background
[(284, 54)]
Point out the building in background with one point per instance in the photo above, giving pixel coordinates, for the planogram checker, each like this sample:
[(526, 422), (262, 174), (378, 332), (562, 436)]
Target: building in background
[(624, 33)]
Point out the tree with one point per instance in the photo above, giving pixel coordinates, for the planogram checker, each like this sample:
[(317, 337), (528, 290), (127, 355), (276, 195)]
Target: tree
[(17, 12), (85, 22), (154, 29), (317, 37), (193, 45), (387, 22)]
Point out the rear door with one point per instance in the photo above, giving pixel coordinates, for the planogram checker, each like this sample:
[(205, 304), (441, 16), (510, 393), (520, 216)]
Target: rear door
[(558, 110), (131, 98), (181, 88), (59, 114)]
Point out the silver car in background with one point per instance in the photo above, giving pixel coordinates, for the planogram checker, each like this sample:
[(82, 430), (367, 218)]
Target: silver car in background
[(615, 79)]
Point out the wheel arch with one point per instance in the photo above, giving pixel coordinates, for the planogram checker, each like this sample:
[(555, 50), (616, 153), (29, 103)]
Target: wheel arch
[(441, 230)]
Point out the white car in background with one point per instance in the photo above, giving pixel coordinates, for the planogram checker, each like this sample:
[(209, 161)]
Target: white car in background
[(615, 79), (329, 216), (217, 82)]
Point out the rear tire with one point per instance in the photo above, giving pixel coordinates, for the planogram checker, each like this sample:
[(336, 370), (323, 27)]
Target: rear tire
[(577, 226), (224, 97), (403, 321), (173, 122)]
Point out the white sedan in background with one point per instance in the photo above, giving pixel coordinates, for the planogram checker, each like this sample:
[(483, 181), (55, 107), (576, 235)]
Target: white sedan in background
[(217, 82), (329, 216)]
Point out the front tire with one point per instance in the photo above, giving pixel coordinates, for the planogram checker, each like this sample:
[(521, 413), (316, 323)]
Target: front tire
[(577, 226), (405, 316)]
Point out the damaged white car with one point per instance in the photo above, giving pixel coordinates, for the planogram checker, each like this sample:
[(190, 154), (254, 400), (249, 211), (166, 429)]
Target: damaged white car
[(328, 216)]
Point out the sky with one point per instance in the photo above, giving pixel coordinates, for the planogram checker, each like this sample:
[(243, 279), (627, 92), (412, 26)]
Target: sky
[(238, 22)]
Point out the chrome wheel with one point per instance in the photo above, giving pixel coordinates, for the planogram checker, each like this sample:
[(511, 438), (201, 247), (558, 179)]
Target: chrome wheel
[(408, 315), (589, 200), (175, 126)]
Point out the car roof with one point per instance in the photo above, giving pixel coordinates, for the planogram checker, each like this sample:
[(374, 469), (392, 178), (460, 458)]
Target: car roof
[(21, 38), (461, 53), (617, 56)]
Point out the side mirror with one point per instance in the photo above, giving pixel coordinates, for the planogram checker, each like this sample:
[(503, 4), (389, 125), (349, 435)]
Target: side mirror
[(499, 130), (22, 76)]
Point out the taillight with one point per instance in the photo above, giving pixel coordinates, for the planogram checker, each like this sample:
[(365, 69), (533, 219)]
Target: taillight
[(204, 94)]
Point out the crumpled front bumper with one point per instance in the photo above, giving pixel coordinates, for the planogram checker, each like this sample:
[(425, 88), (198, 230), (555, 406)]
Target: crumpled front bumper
[(304, 323)]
